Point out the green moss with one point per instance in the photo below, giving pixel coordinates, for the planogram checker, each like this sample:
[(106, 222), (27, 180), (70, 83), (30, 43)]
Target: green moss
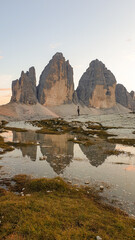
[(101, 133), (55, 210), (52, 126)]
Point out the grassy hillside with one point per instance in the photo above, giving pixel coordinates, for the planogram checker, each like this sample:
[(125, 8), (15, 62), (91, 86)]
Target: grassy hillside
[(51, 209)]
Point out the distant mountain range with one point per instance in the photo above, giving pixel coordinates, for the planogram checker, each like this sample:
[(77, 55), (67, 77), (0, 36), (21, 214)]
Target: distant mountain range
[(97, 87)]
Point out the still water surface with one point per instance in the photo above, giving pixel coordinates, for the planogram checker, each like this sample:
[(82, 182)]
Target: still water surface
[(74, 162)]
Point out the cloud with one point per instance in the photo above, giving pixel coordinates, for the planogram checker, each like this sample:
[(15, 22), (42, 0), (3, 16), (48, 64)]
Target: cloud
[(54, 45), (5, 89), (1, 57)]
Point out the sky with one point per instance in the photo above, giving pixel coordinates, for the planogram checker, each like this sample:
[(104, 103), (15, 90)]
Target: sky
[(32, 31)]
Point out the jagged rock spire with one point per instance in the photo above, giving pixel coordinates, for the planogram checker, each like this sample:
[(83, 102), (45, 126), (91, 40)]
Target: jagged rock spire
[(24, 89), (56, 85)]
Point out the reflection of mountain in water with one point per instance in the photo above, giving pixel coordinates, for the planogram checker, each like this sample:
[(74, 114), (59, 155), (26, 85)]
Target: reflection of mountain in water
[(59, 151), (26, 137), (97, 153), (57, 148)]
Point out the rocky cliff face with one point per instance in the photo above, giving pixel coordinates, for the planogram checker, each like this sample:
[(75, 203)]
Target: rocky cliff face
[(124, 97), (97, 86), (24, 89), (56, 85)]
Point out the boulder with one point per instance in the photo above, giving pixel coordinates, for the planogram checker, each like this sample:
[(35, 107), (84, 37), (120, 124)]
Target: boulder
[(24, 89), (97, 86), (56, 85)]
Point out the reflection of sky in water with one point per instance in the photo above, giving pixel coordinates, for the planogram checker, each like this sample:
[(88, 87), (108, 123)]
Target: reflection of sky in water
[(74, 162), (128, 149), (8, 136)]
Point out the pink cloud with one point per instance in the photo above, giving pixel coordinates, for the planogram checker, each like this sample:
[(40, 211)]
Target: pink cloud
[(5, 89)]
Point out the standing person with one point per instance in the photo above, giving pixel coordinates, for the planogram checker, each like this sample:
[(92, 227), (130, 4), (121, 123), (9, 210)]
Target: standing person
[(78, 111)]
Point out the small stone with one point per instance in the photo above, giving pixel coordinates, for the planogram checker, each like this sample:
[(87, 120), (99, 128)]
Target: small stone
[(98, 238), (43, 158), (101, 188), (1, 150), (87, 182)]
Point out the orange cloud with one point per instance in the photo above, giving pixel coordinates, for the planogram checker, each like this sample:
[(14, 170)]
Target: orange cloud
[(5, 89)]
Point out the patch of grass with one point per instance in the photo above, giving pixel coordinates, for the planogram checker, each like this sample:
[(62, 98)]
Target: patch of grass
[(2, 192), (22, 144), (124, 141), (3, 123), (57, 126), (95, 126), (120, 163), (113, 152), (83, 140), (58, 211), (39, 185), (100, 133), (15, 129), (52, 126)]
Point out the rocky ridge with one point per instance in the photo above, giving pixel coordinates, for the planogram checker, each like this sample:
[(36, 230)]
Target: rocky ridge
[(97, 87)]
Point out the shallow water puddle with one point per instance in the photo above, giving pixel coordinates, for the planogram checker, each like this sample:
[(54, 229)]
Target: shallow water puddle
[(53, 155)]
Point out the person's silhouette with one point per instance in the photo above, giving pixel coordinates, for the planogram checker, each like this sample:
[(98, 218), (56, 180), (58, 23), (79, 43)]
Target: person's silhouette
[(78, 110)]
